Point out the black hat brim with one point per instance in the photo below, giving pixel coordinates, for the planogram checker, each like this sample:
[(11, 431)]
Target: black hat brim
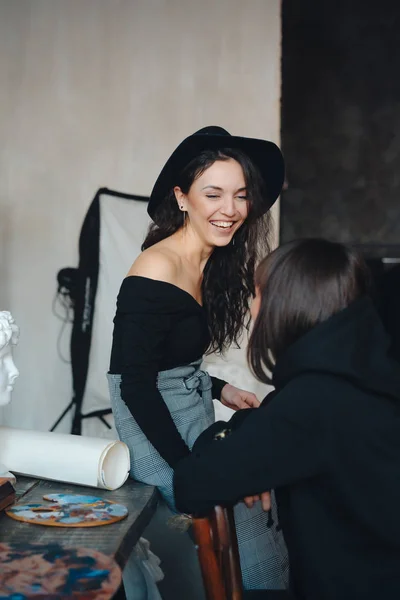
[(264, 154)]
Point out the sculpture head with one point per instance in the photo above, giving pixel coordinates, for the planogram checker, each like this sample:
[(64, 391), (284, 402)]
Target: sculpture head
[(9, 334)]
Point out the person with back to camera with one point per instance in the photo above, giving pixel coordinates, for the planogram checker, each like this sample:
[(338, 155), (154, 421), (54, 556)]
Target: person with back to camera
[(188, 293), (327, 439)]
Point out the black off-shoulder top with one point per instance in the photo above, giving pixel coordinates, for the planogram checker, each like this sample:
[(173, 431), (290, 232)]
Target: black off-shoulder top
[(157, 326)]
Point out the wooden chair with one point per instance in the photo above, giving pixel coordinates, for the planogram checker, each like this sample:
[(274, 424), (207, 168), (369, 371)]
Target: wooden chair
[(218, 553)]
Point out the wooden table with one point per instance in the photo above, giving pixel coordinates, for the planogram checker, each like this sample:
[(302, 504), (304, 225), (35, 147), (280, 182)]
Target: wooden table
[(116, 540)]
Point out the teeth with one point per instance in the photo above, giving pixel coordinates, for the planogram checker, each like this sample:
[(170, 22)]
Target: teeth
[(223, 224)]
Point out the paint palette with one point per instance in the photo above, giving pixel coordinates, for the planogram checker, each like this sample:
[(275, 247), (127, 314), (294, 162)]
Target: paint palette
[(69, 510), (51, 571)]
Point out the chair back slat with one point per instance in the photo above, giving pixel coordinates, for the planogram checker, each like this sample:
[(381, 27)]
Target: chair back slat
[(219, 555), (230, 562)]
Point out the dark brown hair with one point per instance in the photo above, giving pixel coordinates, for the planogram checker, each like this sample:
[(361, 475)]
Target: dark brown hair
[(301, 283), (228, 279)]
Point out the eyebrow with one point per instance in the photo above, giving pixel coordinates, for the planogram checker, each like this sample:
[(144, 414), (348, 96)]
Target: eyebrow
[(215, 187)]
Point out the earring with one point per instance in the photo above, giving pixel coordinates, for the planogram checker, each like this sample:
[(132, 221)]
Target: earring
[(184, 214)]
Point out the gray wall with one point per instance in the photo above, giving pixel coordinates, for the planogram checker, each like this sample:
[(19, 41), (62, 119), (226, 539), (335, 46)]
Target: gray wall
[(98, 93)]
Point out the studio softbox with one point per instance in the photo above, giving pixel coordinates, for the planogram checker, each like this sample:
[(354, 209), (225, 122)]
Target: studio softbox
[(110, 239)]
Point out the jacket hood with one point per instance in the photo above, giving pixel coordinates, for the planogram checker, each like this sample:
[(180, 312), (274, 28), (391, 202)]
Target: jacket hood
[(352, 344)]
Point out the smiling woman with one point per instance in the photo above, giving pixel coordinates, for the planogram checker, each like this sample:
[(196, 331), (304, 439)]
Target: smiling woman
[(217, 198), (186, 294)]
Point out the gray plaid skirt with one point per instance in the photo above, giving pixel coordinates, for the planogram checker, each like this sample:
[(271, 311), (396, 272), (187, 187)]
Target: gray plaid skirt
[(187, 393)]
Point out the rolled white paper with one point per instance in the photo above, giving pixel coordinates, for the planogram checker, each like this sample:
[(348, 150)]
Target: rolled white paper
[(94, 462)]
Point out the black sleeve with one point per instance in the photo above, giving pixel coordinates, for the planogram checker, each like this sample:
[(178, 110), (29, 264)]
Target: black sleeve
[(275, 445), (224, 427), (217, 385), (141, 326)]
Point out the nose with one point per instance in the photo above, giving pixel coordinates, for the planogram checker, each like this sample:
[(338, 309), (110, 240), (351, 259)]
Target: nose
[(12, 376), (228, 207), (11, 369)]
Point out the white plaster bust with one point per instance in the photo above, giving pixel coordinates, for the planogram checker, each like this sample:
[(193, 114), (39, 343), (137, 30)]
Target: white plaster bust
[(9, 334)]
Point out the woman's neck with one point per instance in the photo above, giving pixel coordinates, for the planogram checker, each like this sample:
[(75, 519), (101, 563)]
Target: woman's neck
[(192, 249)]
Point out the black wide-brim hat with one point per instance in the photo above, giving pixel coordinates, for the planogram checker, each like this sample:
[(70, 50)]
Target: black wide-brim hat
[(265, 155)]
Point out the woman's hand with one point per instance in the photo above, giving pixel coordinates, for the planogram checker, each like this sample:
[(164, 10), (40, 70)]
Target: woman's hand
[(235, 398), (265, 498)]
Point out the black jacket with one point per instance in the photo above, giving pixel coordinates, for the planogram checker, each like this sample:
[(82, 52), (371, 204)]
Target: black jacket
[(329, 443)]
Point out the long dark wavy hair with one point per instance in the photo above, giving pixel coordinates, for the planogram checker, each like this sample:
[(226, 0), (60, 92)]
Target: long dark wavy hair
[(302, 283), (228, 278)]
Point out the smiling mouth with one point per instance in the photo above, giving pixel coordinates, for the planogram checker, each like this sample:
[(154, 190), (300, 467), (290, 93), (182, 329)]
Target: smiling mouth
[(223, 225)]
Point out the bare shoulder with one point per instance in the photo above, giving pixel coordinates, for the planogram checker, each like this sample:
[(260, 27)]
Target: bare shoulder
[(157, 263)]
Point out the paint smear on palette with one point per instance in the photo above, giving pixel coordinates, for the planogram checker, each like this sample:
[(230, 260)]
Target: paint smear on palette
[(51, 571), (69, 510)]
